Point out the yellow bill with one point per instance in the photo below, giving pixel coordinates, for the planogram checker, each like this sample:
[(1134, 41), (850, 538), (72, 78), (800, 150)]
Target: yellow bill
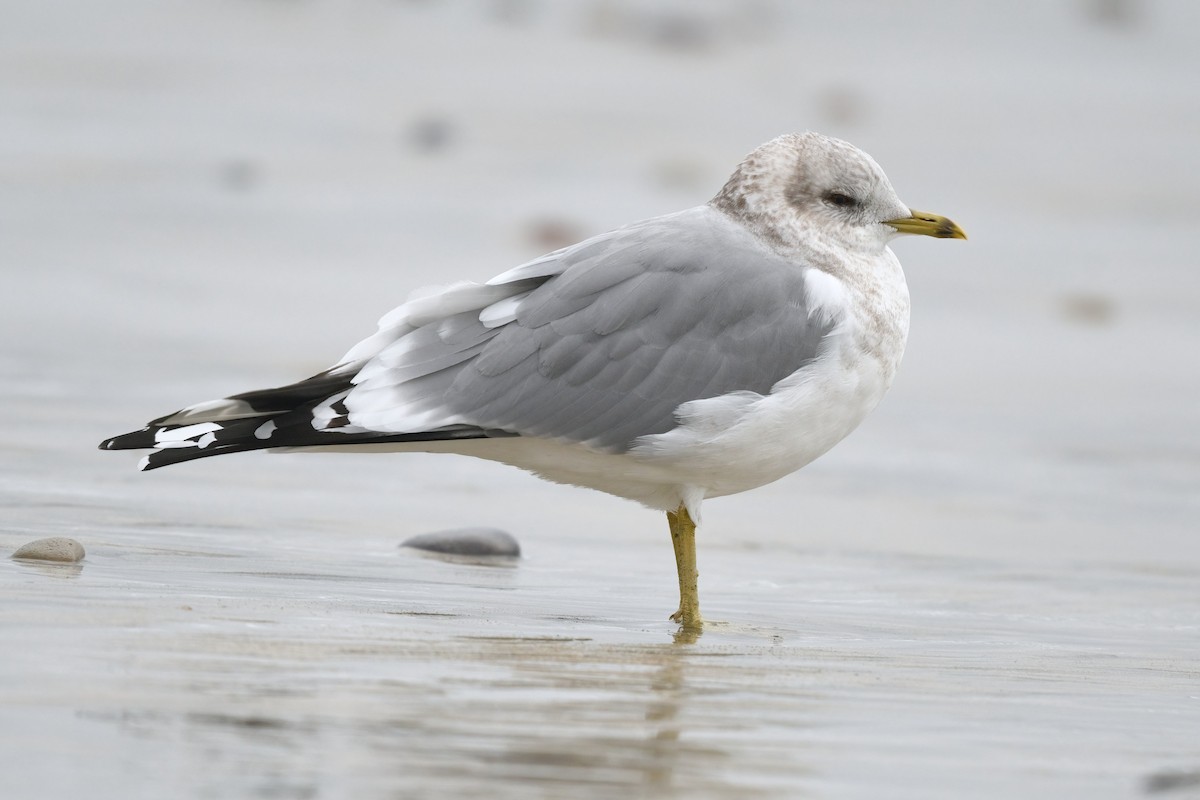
[(923, 223)]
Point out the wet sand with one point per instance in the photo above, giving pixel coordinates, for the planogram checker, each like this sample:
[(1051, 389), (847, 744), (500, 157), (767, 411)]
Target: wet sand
[(990, 590), (246, 661)]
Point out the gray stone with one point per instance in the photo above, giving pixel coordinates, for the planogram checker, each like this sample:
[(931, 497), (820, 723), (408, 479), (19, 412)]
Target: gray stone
[(55, 548), (467, 542)]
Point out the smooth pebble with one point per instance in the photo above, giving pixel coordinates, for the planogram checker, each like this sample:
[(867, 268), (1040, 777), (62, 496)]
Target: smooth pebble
[(55, 548), (467, 542)]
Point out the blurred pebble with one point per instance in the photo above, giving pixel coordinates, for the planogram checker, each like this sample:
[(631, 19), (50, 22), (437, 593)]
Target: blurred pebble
[(671, 29), (467, 542), (56, 548), (679, 31), (551, 234), (843, 105), (1087, 309), (1117, 13), (1172, 781), (238, 175), (682, 27), (430, 134), (681, 174), (513, 12)]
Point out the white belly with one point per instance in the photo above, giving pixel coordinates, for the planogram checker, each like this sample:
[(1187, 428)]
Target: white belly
[(802, 418)]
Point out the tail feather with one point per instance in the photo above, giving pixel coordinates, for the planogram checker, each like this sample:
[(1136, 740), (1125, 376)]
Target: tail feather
[(268, 418), (248, 405), (313, 413), (259, 403), (309, 391), (179, 443)]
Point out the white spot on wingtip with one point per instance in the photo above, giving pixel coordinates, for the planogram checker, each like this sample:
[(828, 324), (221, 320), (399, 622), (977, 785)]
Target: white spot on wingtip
[(164, 437), (265, 430), (206, 440), (143, 463)]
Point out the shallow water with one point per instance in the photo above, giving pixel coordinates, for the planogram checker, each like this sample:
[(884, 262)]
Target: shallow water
[(252, 629), (990, 590), (275, 670)]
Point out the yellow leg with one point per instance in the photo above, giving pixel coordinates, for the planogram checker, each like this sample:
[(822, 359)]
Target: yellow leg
[(683, 537)]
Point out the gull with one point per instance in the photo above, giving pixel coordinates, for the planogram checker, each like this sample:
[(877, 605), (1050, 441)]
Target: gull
[(683, 357)]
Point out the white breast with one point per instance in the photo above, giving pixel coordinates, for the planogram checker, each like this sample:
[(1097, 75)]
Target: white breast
[(738, 442)]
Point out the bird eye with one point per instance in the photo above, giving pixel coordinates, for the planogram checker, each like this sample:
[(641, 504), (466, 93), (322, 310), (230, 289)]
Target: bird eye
[(840, 200)]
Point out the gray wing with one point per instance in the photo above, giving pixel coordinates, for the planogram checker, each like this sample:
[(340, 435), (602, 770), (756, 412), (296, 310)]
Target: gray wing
[(602, 342)]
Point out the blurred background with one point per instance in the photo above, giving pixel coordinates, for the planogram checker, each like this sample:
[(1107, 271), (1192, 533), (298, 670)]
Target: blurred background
[(207, 197), (203, 198)]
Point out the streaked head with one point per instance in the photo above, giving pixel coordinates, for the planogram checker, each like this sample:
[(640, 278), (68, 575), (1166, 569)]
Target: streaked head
[(810, 183)]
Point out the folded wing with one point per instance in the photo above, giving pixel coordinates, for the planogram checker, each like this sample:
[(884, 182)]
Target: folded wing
[(597, 344)]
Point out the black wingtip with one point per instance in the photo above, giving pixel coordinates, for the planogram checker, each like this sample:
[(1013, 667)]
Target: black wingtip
[(134, 440)]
